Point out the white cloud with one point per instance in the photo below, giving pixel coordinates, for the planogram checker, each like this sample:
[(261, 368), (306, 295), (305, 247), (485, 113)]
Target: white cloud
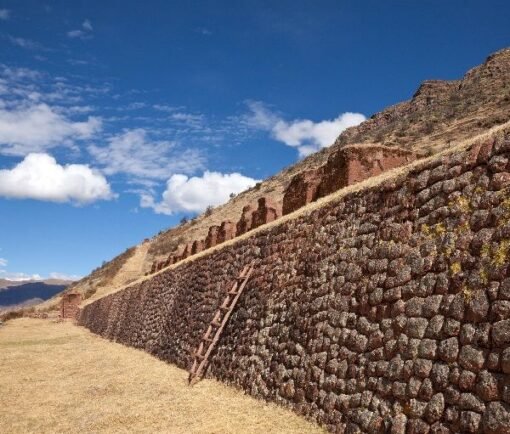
[(305, 135), (19, 277), (32, 127), (3, 262), (76, 34), (20, 74), (40, 177), (197, 193), (84, 33), (133, 152), (5, 14), (165, 108), (188, 118), (25, 43), (63, 276), (23, 277), (87, 25)]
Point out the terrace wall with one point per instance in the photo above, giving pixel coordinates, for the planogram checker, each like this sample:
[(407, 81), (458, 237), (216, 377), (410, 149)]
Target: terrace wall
[(385, 310)]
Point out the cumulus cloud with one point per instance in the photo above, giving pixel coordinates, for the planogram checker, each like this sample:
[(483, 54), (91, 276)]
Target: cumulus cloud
[(84, 33), (40, 177), (4, 14), (19, 277), (195, 194), (303, 134), (35, 127), (133, 152)]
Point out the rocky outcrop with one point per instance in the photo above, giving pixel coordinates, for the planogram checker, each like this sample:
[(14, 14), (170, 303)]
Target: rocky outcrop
[(441, 112), (385, 310)]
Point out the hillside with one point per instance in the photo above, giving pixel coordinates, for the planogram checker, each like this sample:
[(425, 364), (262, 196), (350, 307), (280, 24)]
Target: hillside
[(439, 114)]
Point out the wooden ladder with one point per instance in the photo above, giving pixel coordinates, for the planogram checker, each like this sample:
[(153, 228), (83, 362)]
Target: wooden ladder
[(220, 319)]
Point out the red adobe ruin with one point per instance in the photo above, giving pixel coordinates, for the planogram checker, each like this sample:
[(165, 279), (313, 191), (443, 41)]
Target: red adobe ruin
[(197, 246), (266, 212), (212, 237), (303, 189), (244, 223), (186, 250), (70, 305), (355, 163), (227, 231)]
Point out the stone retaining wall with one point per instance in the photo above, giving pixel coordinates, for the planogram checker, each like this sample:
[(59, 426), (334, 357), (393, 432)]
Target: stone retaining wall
[(384, 311)]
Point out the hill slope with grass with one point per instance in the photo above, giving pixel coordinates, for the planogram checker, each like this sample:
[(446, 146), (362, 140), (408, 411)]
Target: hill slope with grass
[(439, 115)]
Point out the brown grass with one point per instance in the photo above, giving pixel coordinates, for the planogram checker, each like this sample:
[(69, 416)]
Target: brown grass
[(57, 377)]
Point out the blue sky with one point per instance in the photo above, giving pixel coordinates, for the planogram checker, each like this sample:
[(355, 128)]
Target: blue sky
[(119, 117)]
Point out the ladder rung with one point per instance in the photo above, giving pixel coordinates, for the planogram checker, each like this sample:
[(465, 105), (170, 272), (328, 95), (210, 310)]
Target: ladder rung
[(219, 320)]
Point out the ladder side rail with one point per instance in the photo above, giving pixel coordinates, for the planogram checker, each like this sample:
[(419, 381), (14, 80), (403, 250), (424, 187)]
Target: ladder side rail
[(220, 330)]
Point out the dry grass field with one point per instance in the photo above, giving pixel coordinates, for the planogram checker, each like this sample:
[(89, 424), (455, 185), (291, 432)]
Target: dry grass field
[(60, 378)]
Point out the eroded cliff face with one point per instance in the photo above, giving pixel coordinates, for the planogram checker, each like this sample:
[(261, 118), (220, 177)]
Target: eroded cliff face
[(384, 309)]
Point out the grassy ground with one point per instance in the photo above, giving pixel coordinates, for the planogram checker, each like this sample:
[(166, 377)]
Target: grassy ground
[(59, 378)]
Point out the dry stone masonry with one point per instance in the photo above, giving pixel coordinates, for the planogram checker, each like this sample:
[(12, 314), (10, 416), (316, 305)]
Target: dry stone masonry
[(385, 310)]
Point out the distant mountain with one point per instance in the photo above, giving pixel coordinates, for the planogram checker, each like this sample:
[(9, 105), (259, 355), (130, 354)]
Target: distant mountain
[(20, 293)]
